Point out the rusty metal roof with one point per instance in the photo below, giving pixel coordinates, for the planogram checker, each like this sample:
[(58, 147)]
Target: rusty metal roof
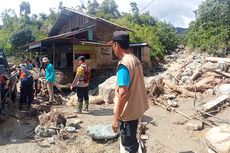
[(66, 13)]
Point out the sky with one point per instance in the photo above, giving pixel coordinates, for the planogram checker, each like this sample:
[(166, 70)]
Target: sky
[(177, 12)]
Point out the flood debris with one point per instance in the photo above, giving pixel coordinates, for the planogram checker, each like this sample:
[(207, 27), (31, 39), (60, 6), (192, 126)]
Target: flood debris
[(218, 139)]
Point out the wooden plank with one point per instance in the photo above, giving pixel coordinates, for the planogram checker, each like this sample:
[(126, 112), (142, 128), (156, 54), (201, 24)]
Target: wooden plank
[(216, 59), (213, 103)]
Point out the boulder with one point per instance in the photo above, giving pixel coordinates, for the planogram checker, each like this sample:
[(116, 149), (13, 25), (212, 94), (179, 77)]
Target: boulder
[(101, 132), (72, 100), (51, 140), (150, 80), (224, 89), (170, 97), (218, 138), (173, 103), (44, 132), (107, 89), (70, 129), (210, 65), (74, 122), (209, 92), (194, 125)]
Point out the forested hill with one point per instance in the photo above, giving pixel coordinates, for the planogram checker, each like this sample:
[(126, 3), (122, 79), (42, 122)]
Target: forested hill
[(209, 32)]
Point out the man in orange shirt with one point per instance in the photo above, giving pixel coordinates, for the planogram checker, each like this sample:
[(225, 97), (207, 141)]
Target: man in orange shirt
[(81, 81)]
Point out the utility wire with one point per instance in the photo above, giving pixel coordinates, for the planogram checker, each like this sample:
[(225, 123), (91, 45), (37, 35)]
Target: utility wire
[(147, 6)]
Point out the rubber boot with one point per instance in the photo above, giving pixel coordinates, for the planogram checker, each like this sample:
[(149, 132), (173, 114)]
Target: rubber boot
[(86, 106), (79, 107)]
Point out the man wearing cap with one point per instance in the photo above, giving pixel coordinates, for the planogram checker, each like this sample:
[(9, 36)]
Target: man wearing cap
[(131, 102), (26, 85), (81, 81), (50, 77)]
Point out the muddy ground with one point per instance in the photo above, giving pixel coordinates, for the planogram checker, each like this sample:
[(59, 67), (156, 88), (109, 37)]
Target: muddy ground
[(166, 131)]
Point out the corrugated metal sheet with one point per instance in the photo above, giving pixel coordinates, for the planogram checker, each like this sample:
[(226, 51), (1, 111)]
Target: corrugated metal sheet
[(67, 13)]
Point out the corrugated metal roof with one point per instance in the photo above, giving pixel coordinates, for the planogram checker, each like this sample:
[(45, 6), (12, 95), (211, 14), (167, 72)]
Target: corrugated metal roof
[(138, 44), (66, 13)]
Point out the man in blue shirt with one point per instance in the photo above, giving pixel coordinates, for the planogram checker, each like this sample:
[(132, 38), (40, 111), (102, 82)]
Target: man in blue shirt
[(131, 102), (50, 78), (123, 76)]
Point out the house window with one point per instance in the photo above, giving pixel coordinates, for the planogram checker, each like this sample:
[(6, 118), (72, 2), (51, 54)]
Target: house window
[(87, 56)]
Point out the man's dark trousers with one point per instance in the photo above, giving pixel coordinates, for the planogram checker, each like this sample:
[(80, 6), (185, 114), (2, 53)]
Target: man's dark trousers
[(128, 131)]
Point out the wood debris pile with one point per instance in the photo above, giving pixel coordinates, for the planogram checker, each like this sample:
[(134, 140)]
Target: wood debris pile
[(198, 78), (191, 79), (52, 119)]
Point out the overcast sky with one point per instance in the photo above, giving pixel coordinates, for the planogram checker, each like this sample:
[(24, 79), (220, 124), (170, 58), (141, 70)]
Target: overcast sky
[(177, 12)]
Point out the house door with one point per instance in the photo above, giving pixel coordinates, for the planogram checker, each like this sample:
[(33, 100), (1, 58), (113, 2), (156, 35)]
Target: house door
[(69, 57), (137, 52)]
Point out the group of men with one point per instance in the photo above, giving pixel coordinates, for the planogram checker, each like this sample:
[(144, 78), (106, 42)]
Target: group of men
[(131, 102), (28, 82)]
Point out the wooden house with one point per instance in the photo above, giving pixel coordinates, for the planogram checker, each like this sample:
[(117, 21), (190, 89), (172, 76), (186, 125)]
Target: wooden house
[(75, 34)]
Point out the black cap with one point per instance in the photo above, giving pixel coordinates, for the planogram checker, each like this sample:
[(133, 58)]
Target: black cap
[(81, 58), (122, 37)]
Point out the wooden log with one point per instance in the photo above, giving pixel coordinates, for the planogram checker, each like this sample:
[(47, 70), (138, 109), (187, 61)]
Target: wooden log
[(225, 74), (213, 103), (202, 85), (178, 89), (216, 59), (207, 74), (168, 108), (190, 61), (195, 75)]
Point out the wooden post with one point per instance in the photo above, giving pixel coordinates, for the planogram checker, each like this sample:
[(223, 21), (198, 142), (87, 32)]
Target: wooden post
[(53, 50)]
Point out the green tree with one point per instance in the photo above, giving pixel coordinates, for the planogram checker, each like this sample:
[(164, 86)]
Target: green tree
[(9, 18), (108, 10), (60, 6), (21, 37), (24, 8), (211, 30), (134, 7), (92, 7), (161, 36)]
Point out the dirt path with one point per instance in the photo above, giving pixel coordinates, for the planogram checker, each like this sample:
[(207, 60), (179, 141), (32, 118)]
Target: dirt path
[(166, 132)]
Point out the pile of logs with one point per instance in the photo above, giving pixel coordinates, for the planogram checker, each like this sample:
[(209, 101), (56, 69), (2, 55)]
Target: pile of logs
[(202, 79)]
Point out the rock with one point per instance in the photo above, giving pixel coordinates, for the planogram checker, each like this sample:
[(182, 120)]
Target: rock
[(72, 100), (210, 65), (184, 79), (222, 65), (170, 97), (150, 80), (144, 137), (218, 138), (96, 100), (70, 129), (107, 89), (208, 92), (188, 72), (51, 140), (74, 122), (44, 132), (172, 103), (101, 132), (194, 125), (224, 89)]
